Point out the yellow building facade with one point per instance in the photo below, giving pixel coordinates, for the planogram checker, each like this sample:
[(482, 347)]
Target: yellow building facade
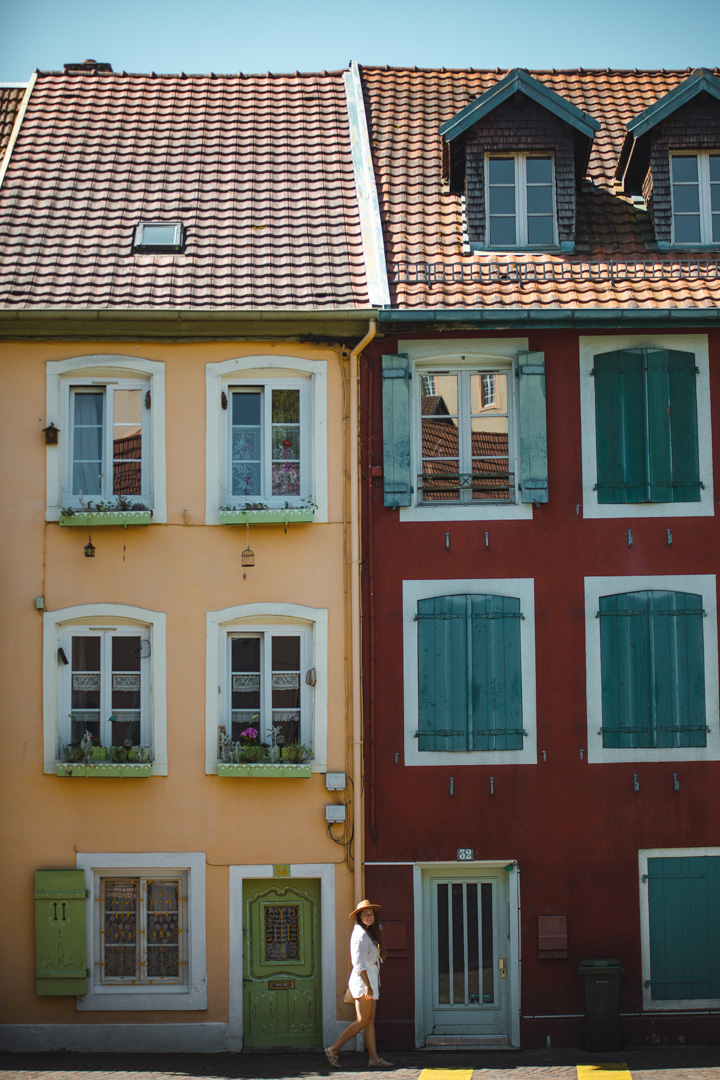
[(215, 907)]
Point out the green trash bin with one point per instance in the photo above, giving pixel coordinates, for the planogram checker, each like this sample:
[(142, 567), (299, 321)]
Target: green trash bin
[(601, 982)]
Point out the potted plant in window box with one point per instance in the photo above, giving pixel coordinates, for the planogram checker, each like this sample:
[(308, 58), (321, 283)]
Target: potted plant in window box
[(296, 753), (261, 514), (117, 511)]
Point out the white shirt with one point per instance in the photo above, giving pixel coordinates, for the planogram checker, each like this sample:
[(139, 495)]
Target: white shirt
[(364, 956)]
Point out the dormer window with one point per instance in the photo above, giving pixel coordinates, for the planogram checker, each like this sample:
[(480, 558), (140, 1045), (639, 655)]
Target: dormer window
[(517, 153), (521, 201), (159, 237), (695, 198)]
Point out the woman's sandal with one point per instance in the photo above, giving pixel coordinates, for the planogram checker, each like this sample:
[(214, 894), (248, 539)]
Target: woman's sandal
[(332, 1057)]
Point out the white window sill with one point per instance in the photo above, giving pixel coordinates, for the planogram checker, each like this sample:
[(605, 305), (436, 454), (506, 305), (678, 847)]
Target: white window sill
[(456, 512)]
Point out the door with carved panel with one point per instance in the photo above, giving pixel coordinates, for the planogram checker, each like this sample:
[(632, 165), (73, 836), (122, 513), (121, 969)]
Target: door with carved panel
[(281, 972)]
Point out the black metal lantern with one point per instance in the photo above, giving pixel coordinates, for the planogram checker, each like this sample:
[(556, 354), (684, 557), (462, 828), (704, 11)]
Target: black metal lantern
[(89, 548), (51, 435)]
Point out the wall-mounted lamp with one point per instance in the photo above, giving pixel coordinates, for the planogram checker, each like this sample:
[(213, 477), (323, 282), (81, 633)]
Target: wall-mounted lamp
[(51, 435), (89, 548)]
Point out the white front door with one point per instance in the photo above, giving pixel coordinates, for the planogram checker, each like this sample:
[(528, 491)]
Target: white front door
[(466, 963)]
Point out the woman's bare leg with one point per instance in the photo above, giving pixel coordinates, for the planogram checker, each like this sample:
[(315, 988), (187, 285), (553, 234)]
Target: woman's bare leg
[(369, 1035), (364, 1011)]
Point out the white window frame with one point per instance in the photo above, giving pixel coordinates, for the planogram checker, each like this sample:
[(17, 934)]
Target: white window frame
[(491, 356), (595, 587), (312, 623), (266, 633), (589, 347), (703, 185), (644, 894), (520, 159), (98, 371), (190, 995), (106, 635), (282, 372), (56, 625), (413, 591), (265, 388)]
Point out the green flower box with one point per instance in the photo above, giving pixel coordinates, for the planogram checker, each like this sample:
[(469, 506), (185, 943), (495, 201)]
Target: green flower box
[(283, 516), (104, 768), (280, 771), (106, 517)]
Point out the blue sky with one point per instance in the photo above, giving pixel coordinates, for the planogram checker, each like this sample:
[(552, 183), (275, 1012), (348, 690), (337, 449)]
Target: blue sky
[(284, 35)]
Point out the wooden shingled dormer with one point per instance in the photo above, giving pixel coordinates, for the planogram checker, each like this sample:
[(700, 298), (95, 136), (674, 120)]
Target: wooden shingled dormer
[(518, 153), (671, 156)]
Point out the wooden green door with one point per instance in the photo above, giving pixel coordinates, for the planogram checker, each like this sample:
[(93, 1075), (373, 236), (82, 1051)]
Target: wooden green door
[(281, 975)]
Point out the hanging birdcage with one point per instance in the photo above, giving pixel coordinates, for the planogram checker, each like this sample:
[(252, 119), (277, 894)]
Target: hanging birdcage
[(248, 556)]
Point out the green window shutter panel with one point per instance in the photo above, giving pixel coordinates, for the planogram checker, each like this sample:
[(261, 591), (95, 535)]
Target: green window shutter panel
[(496, 673), (443, 673), (684, 931), (620, 427), (533, 429), (674, 469), (396, 430), (60, 959), (652, 670)]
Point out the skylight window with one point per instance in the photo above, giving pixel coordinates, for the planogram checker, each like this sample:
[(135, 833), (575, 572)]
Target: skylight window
[(158, 237)]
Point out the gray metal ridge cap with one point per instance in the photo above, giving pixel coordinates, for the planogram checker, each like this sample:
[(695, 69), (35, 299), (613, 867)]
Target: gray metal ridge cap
[(518, 79), (702, 79), (19, 116), (366, 189)]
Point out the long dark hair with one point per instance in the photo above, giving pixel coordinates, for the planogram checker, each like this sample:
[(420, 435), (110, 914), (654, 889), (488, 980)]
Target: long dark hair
[(374, 931)]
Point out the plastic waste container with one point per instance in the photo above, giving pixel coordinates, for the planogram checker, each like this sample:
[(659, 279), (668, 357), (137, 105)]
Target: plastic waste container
[(601, 982)]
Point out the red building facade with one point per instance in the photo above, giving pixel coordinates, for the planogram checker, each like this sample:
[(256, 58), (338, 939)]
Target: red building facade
[(542, 742)]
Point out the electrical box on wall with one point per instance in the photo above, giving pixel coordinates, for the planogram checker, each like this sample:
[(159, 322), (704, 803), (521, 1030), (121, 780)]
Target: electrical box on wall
[(335, 781), (334, 813), (552, 937)]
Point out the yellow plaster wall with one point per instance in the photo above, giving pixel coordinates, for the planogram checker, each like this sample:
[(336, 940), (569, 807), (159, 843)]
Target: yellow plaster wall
[(184, 568)]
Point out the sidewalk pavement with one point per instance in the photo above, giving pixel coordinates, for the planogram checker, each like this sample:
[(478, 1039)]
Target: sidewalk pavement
[(652, 1063)]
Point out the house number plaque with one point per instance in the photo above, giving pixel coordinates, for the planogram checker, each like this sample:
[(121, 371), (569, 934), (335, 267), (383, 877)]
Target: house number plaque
[(281, 984), (465, 854)]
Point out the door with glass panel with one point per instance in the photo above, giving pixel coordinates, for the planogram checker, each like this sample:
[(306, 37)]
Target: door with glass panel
[(466, 983), (282, 972)]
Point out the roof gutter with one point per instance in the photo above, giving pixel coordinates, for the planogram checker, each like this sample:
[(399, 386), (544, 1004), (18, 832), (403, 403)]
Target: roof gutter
[(392, 320)]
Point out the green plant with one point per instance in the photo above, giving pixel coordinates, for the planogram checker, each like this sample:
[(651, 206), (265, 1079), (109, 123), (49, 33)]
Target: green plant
[(296, 753), (252, 753), (118, 753)]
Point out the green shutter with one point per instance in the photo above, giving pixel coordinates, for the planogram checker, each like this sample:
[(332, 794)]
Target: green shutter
[(396, 430), (533, 431), (443, 673), (652, 670), (646, 426), (680, 410), (60, 962), (684, 930), (620, 427), (496, 673)]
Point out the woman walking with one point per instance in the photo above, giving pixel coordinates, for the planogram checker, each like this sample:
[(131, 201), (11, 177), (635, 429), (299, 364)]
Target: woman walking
[(366, 954)]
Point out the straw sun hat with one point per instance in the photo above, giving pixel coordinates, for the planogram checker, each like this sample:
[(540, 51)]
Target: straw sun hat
[(364, 905)]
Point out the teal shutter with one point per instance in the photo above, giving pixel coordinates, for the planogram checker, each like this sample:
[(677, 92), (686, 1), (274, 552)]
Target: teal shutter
[(396, 430), (620, 427), (646, 426), (533, 428), (674, 471), (443, 673), (652, 670), (60, 961), (684, 930), (496, 673)]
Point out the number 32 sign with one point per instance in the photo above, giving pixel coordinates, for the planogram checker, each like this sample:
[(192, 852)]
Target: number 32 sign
[(465, 854)]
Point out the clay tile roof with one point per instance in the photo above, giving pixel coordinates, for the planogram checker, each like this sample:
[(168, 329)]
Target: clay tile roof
[(10, 99), (258, 168), (616, 261)]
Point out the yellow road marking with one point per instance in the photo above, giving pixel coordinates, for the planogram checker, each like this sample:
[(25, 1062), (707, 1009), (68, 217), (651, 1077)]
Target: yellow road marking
[(446, 1074), (604, 1071)]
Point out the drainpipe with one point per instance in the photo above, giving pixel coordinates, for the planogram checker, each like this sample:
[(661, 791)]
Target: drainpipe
[(357, 740)]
